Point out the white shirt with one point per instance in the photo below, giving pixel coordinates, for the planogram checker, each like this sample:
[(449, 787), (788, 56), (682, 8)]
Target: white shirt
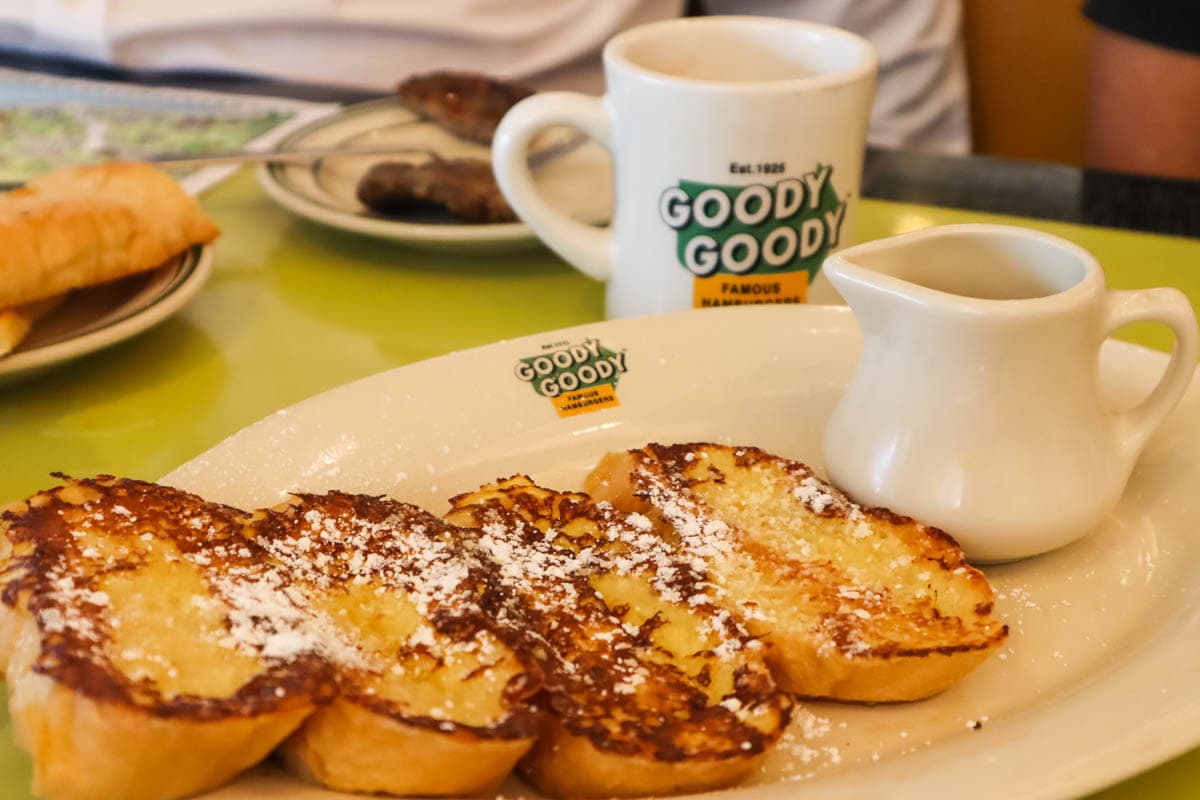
[(367, 44), (372, 44), (921, 102)]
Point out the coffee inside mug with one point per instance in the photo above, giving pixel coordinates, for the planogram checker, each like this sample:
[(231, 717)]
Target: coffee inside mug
[(740, 50)]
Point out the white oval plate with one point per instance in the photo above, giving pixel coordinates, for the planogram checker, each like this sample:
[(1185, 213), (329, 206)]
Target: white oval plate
[(100, 316), (579, 182), (1101, 677)]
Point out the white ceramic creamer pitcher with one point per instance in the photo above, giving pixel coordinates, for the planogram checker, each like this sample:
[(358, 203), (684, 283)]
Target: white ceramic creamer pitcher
[(976, 405)]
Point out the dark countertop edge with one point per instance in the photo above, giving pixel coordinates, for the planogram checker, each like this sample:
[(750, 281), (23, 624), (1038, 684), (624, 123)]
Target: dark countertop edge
[(974, 183)]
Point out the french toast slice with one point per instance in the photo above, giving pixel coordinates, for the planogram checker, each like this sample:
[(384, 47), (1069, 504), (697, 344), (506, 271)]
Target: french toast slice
[(651, 687), (854, 603), (429, 700), (152, 652)]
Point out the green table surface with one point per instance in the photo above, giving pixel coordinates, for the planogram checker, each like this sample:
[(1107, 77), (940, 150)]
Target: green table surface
[(292, 309)]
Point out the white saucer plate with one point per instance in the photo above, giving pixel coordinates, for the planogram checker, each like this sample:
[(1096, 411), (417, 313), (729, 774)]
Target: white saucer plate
[(100, 316), (1100, 678), (579, 181)]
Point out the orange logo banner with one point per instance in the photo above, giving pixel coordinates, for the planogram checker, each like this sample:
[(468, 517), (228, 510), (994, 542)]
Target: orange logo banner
[(743, 290), (583, 401)]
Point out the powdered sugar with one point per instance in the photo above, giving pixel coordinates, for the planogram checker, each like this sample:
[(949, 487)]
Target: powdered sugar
[(702, 536), (264, 620), (395, 550), (590, 642), (814, 494)]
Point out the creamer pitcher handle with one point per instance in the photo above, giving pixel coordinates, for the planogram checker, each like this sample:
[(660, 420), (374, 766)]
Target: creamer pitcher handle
[(585, 247), (1170, 307)]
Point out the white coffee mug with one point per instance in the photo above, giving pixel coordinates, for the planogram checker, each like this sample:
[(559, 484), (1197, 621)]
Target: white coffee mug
[(737, 145)]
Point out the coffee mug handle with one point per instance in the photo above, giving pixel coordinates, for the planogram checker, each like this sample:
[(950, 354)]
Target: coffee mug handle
[(1170, 307), (586, 247)]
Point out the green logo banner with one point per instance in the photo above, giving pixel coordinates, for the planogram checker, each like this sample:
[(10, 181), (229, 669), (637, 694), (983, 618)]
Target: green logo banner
[(567, 367), (789, 226)]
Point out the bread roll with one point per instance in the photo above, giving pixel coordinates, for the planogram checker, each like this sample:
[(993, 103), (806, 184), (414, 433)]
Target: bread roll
[(81, 226)]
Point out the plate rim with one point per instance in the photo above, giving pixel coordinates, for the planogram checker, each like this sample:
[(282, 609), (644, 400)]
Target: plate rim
[(196, 269), (1144, 749)]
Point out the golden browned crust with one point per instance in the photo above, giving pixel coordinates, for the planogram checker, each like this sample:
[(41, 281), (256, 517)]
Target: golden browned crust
[(423, 683), (332, 542), (372, 599), (148, 651), (562, 764), (856, 603), (84, 749), (57, 567), (350, 748), (653, 687), (81, 226), (433, 654)]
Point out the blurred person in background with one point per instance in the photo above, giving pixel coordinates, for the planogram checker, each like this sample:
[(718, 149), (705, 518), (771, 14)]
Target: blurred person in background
[(549, 44), (921, 102), (1144, 92), (361, 44)]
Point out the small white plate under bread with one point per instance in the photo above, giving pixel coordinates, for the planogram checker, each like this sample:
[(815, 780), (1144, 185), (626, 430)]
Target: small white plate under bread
[(92, 319), (72, 243)]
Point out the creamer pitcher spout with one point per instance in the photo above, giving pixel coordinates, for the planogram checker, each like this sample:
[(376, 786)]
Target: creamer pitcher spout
[(872, 294)]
